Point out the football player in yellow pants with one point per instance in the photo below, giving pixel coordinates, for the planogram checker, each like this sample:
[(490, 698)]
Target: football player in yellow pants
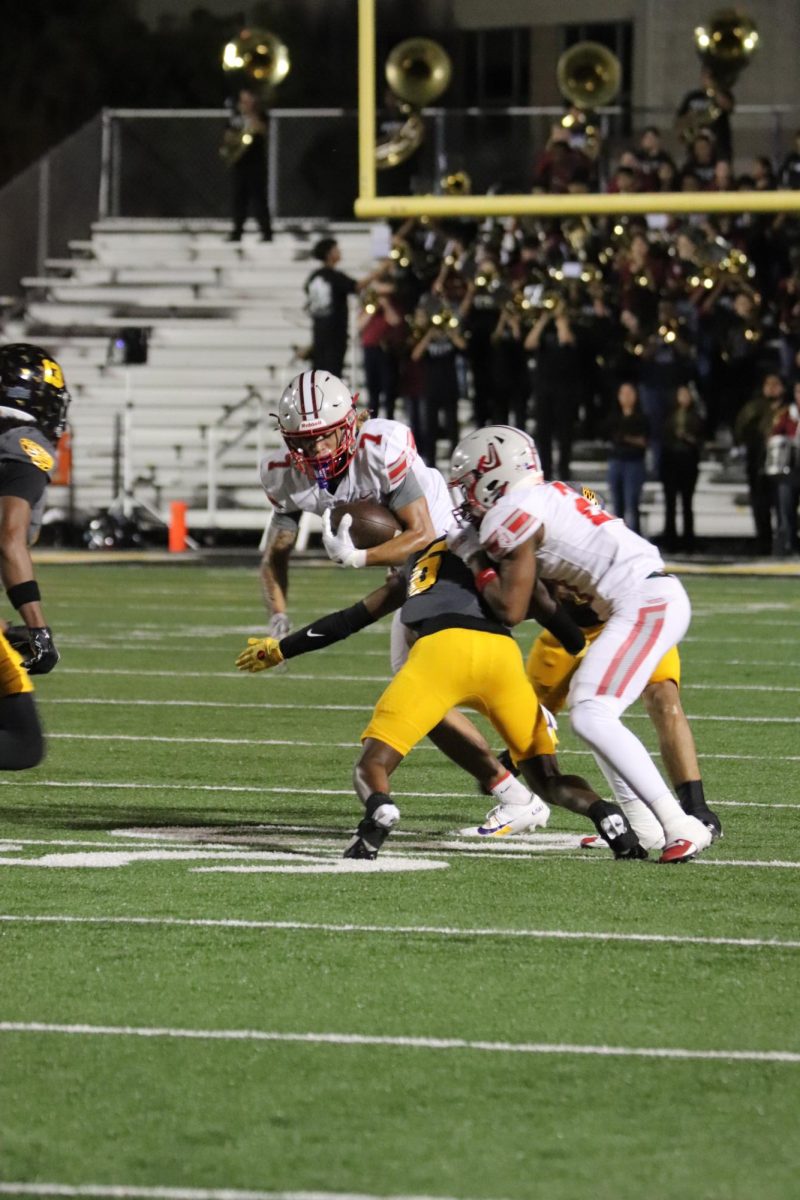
[(550, 669), (21, 740), (463, 654)]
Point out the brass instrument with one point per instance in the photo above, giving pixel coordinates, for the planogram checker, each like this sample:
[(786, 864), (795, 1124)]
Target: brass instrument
[(445, 319), (417, 71), (262, 59), (725, 47), (589, 76), (369, 301), (259, 55), (457, 183)]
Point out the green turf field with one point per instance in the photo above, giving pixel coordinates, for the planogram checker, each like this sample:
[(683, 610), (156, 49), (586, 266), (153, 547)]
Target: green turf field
[(197, 1001)]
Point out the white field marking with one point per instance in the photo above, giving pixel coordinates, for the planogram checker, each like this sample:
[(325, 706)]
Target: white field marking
[(365, 708), (118, 647), (262, 861), (337, 678), (122, 1191), (256, 742), (388, 864), (412, 1043), (254, 789), (232, 674), (440, 931)]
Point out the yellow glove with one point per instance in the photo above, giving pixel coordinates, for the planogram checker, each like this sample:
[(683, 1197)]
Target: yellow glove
[(260, 655)]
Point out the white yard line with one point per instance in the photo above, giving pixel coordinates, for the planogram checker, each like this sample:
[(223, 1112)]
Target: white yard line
[(439, 931), (121, 1191), (255, 742), (258, 790), (104, 701), (405, 1043), (293, 675)]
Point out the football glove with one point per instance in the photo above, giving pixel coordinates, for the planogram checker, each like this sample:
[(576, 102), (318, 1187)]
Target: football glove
[(260, 655), (279, 625), (39, 654), (464, 541), (339, 546)]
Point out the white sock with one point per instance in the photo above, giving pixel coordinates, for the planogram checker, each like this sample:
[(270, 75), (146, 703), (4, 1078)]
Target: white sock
[(511, 791), (671, 815)]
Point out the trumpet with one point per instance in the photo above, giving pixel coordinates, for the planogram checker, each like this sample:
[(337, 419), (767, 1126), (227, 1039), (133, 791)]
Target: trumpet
[(445, 319)]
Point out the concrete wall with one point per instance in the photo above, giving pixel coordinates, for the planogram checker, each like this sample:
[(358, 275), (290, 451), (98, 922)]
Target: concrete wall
[(665, 63)]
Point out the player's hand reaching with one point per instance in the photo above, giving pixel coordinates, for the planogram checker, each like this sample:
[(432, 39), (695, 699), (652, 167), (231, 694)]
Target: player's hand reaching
[(463, 540), (260, 655), (279, 625), (339, 546)]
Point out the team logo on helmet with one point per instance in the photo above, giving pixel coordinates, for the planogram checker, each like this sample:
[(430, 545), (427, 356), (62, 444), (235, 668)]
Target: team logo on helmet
[(488, 462)]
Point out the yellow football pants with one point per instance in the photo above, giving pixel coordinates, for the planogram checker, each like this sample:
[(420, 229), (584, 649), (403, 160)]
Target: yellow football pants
[(550, 667), (13, 676), (482, 671)]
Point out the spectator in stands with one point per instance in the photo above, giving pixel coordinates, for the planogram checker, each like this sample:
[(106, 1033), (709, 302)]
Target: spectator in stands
[(626, 433), (763, 174), (666, 365), (382, 328), (752, 429), (652, 158), (789, 170), (511, 379), (708, 108), (783, 468), (560, 165), (327, 289), (247, 137), (680, 463), (558, 384), (480, 313), (440, 340), (701, 160)]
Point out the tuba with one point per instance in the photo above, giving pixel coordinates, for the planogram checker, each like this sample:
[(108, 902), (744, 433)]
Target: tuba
[(589, 76), (725, 47), (260, 59), (417, 71)]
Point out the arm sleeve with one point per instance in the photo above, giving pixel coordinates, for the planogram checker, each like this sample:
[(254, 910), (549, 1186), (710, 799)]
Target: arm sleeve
[(333, 628)]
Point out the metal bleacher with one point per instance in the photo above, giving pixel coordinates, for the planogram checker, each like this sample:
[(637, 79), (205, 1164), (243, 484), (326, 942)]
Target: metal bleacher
[(224, 322)]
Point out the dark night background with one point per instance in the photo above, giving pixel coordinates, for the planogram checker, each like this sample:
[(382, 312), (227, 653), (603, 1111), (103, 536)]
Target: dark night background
[(61, 62)]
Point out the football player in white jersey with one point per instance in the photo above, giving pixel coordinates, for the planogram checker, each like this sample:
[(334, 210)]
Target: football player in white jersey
[(332, 457), (518, 525)]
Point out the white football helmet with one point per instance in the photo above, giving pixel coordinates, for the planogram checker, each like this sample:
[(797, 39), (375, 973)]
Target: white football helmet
[(488, 462), (314, 405)]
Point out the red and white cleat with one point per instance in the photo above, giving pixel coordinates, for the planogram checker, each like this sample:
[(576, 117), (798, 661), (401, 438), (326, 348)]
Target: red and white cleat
[(681, 851)]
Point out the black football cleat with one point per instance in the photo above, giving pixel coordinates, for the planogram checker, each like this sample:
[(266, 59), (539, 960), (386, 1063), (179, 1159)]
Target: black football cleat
[(371, 834)]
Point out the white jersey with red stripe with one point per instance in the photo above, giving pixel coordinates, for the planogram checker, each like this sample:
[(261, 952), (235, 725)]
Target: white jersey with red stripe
[(384, 458), (592, 554)]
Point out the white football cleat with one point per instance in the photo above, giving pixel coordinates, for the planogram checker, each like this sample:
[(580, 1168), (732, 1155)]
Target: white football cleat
[(507, 819)]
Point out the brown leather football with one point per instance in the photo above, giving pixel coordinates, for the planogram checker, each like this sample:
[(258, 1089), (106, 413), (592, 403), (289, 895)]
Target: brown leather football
[(373, 523)]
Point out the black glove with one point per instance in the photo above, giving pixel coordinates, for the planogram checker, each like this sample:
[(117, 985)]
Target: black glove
[(36, 646)]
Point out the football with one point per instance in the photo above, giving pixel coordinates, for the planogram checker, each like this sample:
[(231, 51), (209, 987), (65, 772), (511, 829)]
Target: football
[(372, 525)]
